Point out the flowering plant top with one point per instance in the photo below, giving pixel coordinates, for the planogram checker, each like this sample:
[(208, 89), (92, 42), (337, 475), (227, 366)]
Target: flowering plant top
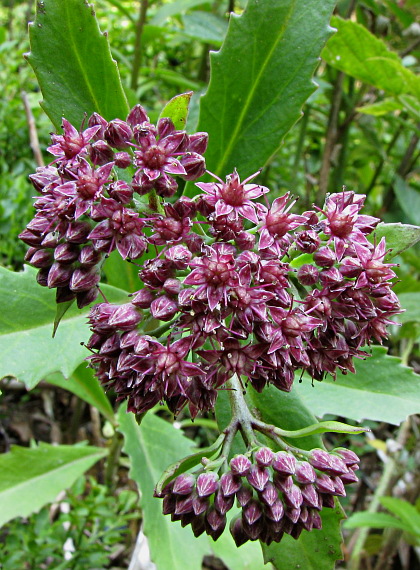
[(238, 291)]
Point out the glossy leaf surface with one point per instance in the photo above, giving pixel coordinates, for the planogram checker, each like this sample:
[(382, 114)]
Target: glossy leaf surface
[(257, 88), (382, 389), (73, 82), (28, 351)]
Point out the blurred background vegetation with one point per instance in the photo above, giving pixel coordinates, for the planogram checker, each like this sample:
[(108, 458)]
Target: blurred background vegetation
[(352, 133)]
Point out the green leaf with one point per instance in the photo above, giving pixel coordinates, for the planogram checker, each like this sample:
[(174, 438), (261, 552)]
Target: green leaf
[(382, 389), (408, 198), (324, 427), (273, 406), (172, 9), (405, 511), (31, 478), (61, 310), (121, 274), (411, 303), (73, 64), (375, 520), (357, 52), (381, 108), (177, 110), (315, 550), (205, 27), (151, 448), (399, 237), (260, 79), (86, 386), (28, 351)]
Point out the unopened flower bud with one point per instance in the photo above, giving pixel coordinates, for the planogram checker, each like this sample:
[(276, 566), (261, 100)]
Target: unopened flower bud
[(325, 257), (264, 456), (118, 134), (207, 484), (284, 463), (184, 484), (308, 274), (84, 278), (59, 275), (240, 465), (122, 159), (125, 317)]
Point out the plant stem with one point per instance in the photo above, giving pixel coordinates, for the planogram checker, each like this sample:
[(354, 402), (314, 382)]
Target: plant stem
[(113, 460), (242, 418), (33, 135), (144, 4), (331, 135)]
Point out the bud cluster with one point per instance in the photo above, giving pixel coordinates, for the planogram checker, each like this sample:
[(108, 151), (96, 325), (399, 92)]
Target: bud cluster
[(276, 492), (85, 212)]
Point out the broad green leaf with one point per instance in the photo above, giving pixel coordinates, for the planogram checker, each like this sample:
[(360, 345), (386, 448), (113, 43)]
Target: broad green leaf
[(399, 237), (260, 79), (31, 478), (153, 446), (357, 52), (73, 64), (205, 26), (408, 198), (315, 550), (86, 386), (411, 303), (375, 520), (404, 510), (28, 351), (177, 110), (382, 389)]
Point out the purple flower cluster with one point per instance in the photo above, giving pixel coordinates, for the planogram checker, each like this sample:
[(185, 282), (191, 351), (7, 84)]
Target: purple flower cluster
[(85, 212), (241, 287), (235, 305), (277, 494)]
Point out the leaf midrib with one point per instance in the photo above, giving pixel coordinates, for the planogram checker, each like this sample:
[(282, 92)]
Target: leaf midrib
[(53, 471), (245, 107)]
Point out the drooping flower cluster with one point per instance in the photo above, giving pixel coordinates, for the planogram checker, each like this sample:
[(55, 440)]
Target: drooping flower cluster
[(85, 212), (277, 494)]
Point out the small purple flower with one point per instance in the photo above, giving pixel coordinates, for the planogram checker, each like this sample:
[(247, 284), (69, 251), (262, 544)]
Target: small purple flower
[(233, 197)]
